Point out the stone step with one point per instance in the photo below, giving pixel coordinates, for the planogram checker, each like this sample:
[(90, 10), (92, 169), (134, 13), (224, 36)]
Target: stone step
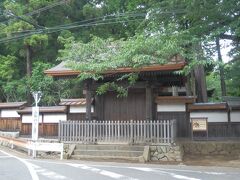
[(114, 153), (120, 147), (107, 158)]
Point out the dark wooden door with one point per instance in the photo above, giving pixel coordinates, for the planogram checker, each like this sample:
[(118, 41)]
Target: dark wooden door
[(131, 107)]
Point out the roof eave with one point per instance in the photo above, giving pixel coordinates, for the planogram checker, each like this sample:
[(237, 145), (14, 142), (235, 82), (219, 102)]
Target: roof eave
[(165, 67)]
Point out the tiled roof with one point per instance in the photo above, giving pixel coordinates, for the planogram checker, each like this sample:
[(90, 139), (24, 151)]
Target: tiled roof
[(46, 109), (12, 105), (73, 102)]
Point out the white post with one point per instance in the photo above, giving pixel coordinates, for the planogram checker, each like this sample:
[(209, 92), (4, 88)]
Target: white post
[(61, 155), (35, 116)]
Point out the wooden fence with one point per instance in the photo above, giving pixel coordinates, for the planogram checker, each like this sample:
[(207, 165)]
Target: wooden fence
[(223, 130), (44, 129), (133, 132), (10, 124)]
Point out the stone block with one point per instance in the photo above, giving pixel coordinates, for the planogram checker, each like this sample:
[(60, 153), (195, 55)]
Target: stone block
[(154, 158), (146, 153), (141, 159), (153, 148), (176, 148), (161, 156), (164, 159), (160, 149)]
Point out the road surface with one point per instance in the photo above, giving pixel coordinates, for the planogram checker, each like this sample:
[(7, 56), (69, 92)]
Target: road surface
[(15, 167)]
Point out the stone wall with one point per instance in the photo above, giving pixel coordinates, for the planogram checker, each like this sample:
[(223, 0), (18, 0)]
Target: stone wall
[(6, 144), (9, 134), (211, 148), (166, 153)]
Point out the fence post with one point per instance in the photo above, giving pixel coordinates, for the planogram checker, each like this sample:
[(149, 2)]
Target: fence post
[(131, 132), (94, 129), (172, 129), (175, 129), (59, 131)]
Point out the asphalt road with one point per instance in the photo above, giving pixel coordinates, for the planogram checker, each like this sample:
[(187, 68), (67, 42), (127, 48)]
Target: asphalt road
[(15, 167)]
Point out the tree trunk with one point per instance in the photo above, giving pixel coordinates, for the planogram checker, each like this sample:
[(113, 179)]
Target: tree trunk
[(29, 60), (29, 71), (200, 78), (193, 84), (221, 70)]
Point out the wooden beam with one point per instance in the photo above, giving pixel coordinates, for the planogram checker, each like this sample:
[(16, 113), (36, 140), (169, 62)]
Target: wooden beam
[(207, 106), (88, 99), (169, 99), (149, 103)]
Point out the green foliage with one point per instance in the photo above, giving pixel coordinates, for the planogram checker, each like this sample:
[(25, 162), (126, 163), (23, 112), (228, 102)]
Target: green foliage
[(15, 90), (101, 55), (112, 86), (52, 90), (37, 40), (170, 27), (38, 81), (7, 68), (213, 83), (232, 71)]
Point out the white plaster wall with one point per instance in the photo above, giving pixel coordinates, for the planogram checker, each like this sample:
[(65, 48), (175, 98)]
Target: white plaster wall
[(27, 118), (54, 118), (171, 107), (212, 116), (79, 109), (235, 116), (9, 113)]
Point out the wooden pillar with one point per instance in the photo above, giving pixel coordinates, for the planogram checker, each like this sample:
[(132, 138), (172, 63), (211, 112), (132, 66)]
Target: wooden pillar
[(149, 103), (229, 126), (188, 85), (43, 125), (88, 99)]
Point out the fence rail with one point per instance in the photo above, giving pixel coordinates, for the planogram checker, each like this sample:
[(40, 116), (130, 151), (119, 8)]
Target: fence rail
[(159, 131)]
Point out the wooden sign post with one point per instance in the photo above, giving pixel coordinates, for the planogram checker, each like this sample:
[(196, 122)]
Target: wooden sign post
[(200, 127)]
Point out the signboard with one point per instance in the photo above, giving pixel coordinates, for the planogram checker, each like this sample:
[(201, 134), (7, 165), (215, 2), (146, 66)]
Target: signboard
[(199, 128), (199, 124), (35, 117)]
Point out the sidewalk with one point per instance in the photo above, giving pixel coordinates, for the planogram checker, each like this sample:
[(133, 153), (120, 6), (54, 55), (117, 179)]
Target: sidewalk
[(216, 160)]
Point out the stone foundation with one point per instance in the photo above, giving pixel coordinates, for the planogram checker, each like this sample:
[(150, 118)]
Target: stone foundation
[(166, 153), (9, 134), (211, 148), (5, 143)]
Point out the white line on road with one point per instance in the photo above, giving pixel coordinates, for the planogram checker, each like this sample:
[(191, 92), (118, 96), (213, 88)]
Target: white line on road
[(124, 166), (49, 174), (102, 172), (3, 157), (177, 176), (30, 168)]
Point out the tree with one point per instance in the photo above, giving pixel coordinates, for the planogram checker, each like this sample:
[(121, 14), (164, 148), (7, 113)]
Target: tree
[(232, 70), (128, 31), (7, 71)]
